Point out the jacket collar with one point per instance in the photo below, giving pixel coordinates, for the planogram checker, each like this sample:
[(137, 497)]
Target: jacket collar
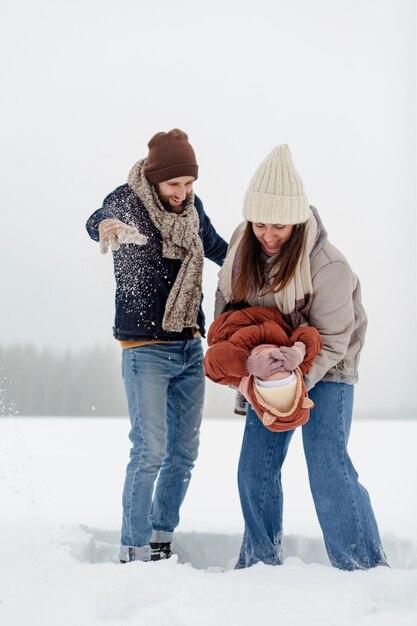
[(321, 233)]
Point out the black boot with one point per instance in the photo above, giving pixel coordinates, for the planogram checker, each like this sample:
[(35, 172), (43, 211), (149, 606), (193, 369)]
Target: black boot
[(160, 551)]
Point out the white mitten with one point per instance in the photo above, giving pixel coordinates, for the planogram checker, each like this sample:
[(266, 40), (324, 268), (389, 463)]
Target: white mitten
[(113, 233)]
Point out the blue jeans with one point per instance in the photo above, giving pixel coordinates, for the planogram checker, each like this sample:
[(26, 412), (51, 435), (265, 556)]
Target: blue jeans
[(164, 385), (342, 504)]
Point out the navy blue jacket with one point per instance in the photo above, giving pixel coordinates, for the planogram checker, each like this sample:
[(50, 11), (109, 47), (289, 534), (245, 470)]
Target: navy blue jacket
[(143, 276)]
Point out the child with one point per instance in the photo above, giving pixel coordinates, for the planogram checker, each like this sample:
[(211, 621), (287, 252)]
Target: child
[(255, 350)]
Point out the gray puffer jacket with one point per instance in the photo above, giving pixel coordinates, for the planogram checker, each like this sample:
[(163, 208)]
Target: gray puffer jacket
[(336, 312)]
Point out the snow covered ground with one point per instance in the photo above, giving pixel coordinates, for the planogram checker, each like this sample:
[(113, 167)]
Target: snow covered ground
[(60, 484)]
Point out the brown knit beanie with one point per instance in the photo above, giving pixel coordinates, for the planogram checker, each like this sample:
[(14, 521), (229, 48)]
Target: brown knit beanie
[(170, 155)]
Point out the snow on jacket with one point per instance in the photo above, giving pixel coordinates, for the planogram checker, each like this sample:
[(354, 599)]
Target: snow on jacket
[(143, 276), (336, 311), (231, 338)]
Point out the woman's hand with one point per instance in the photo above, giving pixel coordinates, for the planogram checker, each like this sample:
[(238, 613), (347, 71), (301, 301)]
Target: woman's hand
[(266, 360)]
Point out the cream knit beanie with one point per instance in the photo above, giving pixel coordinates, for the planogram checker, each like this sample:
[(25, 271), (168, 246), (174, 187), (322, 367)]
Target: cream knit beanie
[(276, 192)]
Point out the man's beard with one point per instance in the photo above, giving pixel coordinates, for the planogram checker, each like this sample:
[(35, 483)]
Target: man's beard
[(165, 203)]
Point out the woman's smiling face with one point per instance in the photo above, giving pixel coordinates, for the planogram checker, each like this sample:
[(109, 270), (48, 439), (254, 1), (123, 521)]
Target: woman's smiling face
[(272, 236)]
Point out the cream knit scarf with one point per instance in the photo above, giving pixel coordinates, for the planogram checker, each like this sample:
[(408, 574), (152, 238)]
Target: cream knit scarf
[(180, 240), (294, 301)]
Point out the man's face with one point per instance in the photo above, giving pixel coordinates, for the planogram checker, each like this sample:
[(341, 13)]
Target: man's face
[(174, 193)]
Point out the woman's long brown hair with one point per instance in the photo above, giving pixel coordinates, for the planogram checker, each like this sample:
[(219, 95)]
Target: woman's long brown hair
[(251, 277)]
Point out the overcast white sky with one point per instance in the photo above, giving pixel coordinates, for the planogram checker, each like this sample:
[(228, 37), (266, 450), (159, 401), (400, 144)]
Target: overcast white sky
[(85, 84)]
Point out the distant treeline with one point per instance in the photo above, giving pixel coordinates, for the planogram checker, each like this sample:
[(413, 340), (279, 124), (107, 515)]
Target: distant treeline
[(45, 382), (87, 382)]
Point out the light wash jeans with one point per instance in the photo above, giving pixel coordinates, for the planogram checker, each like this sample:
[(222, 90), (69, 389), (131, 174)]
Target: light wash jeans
[(164, 385), (342, 504)]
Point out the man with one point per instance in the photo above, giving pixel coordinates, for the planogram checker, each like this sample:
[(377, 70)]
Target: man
[(159, 234)]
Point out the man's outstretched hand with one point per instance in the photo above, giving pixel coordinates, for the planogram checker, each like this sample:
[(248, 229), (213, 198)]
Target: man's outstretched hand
[(113, 233)]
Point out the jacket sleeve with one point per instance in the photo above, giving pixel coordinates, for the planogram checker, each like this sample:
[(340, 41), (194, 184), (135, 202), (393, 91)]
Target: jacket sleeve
[(111, 209), (219, 303), (333, 315), (220, 300), (93, 223), (225, 363), (313, 344), (215, 247)]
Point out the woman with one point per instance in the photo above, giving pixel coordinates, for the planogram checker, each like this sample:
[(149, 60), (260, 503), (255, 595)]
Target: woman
[(281, 257)]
